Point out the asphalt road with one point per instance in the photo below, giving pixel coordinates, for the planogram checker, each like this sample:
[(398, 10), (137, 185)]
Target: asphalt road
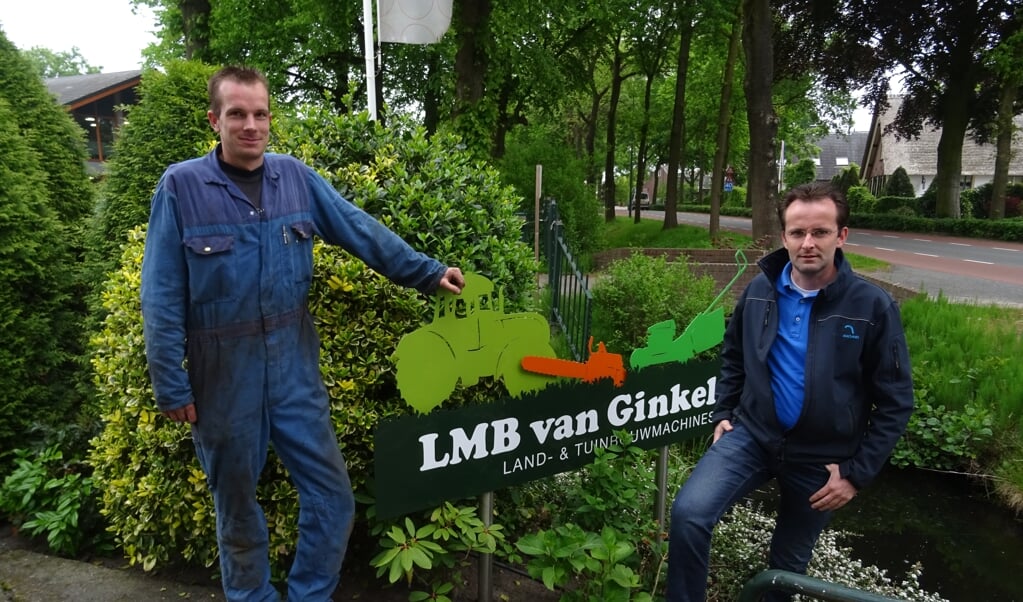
[(962, 269)]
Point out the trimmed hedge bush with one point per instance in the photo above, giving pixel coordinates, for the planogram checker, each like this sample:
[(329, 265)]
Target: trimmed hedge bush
[(899, 204), (899, 185), (45, 197)]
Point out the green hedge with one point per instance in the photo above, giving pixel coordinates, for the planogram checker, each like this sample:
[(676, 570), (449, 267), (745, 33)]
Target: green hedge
[(45, 198)]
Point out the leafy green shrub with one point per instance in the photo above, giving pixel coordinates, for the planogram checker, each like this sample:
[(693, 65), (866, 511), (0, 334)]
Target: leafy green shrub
[(928, 201), (861, 200), (442, 548), (981, 200), (803, 172), (736, 198), (590, 566), (898, 184), (428, 191), (847, 178), (563, 179), (601, 543), (942, 438), (52, 133), (35, 298), (639, 291), (46, 494)]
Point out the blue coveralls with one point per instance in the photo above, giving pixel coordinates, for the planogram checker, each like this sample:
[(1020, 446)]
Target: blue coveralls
[(226, 324)]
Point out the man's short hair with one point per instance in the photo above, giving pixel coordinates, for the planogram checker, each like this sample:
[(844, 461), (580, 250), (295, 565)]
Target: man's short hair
[(815, 191), (240, 74)]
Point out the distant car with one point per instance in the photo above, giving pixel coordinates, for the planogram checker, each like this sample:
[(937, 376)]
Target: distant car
[(644, 201)]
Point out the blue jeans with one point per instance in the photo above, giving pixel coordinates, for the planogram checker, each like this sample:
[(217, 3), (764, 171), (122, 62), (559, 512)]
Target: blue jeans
[(276, 397), (732, 468)]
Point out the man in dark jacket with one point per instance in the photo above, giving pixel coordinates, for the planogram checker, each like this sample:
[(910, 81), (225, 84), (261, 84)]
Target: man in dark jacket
[(231, 345), (815, 391)]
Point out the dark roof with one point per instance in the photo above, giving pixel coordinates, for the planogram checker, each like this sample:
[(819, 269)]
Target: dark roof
[(76, 90), (849, 145)]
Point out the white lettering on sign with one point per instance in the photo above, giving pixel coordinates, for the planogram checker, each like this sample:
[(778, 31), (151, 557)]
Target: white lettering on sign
[(506, 438), (525, 463), (627, 408), (585, 422), (502, 436)]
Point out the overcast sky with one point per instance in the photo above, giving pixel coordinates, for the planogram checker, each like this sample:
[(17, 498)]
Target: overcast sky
[(106, 32)]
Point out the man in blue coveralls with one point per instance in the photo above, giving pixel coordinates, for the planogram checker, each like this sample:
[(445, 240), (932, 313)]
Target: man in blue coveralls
[(231, 346)]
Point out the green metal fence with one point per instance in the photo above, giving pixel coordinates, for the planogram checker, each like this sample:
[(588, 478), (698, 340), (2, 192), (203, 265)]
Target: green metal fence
[(571, 300)]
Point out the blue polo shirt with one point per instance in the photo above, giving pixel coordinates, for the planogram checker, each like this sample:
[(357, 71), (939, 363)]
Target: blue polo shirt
[(787, 360)]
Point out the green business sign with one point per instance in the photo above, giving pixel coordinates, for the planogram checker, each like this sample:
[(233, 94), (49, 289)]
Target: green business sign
[(451, 454), (560, 410)]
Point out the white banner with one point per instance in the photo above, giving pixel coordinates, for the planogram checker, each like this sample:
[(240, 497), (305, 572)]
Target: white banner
[(414, 21)]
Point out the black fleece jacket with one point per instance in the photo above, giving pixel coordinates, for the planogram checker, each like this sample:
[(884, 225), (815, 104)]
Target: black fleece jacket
[(859, 387)]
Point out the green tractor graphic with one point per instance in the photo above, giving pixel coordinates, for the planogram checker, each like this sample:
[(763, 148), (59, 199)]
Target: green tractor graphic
[(470, 337)]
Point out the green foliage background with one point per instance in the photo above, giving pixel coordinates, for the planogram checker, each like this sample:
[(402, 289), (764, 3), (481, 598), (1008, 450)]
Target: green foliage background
[(45, 197), (168, 125), (803, 172), (640, 291), (563, 177)]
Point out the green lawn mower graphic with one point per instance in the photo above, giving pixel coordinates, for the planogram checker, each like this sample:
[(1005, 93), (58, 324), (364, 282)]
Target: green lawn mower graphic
[(706, 331), (470, 337)]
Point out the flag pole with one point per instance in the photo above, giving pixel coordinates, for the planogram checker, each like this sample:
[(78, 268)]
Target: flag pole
[(371, 75)]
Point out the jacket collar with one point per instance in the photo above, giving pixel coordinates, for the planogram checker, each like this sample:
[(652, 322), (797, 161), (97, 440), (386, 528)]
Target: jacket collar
[(270, 167), (773, 264)]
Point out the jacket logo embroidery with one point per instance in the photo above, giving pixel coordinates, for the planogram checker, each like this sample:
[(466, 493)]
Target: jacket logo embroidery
[(849, 332)]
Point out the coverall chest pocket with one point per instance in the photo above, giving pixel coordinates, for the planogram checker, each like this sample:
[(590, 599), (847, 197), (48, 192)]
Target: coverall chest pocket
[(300, 255), (212, 273)]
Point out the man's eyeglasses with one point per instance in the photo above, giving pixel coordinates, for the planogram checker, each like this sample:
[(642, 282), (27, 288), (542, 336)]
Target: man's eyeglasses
[(817, 233)]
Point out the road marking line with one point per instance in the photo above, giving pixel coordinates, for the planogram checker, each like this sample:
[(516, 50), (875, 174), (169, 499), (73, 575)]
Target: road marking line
[(889, 236), (1004, 249), (884, 249), (923, 239), (960, 244), (927, 254), (981, 262)]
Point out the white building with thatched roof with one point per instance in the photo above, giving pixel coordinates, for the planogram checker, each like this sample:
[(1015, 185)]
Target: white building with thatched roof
[(919, 156)]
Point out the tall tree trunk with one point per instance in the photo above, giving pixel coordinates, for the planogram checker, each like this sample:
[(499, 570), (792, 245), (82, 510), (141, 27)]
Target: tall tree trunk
[(955, 107), (612, 122), (676, 140), (955, 118), (724, 126), (590, 142), (762, 191), (644, 131), (195, 25), (1003, 153), (471, 62), (431, 102)]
